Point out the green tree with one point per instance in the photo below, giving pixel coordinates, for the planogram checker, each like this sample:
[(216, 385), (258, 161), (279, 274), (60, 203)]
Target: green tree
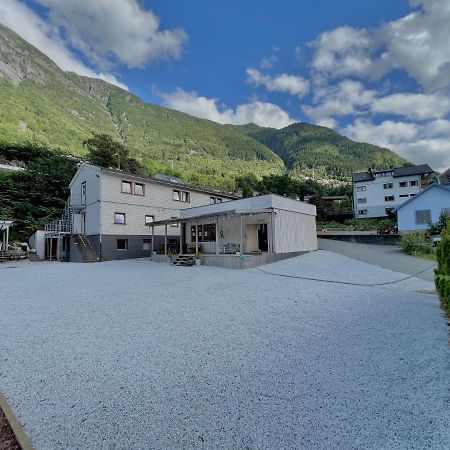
[(104, 151), (37, 195)]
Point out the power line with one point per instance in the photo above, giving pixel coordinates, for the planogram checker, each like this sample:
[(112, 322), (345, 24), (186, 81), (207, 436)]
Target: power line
[(345, 282)]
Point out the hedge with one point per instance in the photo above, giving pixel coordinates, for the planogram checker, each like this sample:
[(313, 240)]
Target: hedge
[(443, 270)]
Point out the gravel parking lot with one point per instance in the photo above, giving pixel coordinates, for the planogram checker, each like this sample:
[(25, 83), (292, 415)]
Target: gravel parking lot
[(138, 355)]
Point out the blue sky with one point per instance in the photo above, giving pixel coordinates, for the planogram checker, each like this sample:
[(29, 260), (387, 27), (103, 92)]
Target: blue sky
[(377, 71)]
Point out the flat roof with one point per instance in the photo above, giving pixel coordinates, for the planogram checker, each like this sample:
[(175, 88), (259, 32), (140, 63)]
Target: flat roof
[(244, 206)]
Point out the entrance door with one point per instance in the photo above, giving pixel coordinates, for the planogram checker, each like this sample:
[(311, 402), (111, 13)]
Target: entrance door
[(83, 223), (251, 238), (262, 237)]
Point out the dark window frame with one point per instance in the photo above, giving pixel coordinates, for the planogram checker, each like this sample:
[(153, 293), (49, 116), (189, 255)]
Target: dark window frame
[(124, 218), (125, 241)]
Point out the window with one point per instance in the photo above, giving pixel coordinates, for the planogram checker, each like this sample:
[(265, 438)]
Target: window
[(185, 197), (199, 236), (412, 195), (149, 219), (181, 196), (139, 189), (120, 218), (127, 187), (175, 225), (122, 244), (388, 185), (384, 174), (414, 183), (389, 198), (403, 195), (209, 232), (403, 184), (146, 244), (214, 200), (83, 193), (362, 212), (361, 189), (423, 217), (362, 200)]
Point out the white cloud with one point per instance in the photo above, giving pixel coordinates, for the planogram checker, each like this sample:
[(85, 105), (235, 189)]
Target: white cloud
[(294, 85), (114, 32), (260, 113), (342, 99), (417, 106), (416, 43), (384, 134), (46, 38), (328, 122), (347, 51), (415, 142)]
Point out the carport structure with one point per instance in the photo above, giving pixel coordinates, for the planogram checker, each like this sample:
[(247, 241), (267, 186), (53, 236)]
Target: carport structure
[(267, 226)]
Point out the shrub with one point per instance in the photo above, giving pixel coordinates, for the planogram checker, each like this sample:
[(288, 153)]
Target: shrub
[(417, 243), (443, 270)]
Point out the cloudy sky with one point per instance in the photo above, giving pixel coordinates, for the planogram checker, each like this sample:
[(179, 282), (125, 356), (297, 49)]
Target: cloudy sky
[(377, 71)]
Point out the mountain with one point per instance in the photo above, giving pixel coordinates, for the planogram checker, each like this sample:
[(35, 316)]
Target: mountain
[(41, 103), (305, 148)]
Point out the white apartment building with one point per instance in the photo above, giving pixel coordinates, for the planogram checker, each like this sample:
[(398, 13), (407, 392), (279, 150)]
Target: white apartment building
[(378, 192)]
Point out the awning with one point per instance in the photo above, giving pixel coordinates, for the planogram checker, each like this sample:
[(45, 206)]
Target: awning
[(219, 215)]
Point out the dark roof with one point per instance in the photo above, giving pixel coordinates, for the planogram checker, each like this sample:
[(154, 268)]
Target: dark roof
[(173, 183), (420, 169), (445, 177), (362, 176), (431, 186)]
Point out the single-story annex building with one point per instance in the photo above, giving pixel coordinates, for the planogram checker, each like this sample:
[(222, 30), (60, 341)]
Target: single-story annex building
[(424, 208), (247, 232)]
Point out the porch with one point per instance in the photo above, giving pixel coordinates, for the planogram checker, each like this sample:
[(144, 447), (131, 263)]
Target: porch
[(228, 234)]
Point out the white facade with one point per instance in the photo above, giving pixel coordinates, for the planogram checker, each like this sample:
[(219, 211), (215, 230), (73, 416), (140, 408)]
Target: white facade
[(287, 225), (110, 205), (377, 193), (425, 208)]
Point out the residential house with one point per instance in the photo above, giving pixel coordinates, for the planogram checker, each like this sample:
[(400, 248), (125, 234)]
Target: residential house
[(377, 192), (109, 214), (444, 178), (426, 207)]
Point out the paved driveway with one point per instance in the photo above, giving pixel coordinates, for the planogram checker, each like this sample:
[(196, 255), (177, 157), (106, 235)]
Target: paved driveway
[(387, 256), (139, 355)]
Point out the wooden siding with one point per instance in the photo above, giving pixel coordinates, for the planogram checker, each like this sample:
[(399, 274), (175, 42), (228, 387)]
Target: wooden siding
[(294, 232), (157, 201), (90, 175)]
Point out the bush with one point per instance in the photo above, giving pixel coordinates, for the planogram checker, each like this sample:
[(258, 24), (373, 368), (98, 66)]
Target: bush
[(443, 270), (417, 243)]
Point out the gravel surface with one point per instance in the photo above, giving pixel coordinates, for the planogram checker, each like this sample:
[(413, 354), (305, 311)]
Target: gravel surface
[(138, 355), (387, 256)]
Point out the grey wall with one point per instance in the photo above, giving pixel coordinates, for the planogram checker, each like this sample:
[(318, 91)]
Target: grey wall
[(135, 250)]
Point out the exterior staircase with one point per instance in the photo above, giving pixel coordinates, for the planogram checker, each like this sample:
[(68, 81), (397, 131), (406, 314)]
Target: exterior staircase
[(85, 248), (184, 260)]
